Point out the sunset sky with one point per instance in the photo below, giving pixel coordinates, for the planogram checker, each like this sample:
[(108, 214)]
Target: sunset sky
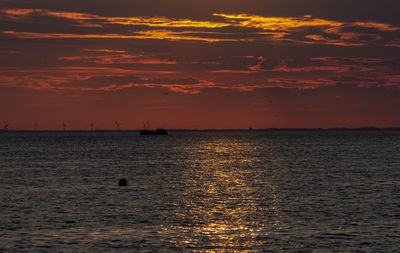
[(199, 64)]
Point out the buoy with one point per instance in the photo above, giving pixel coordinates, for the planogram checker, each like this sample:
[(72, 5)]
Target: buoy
[(122, 182)]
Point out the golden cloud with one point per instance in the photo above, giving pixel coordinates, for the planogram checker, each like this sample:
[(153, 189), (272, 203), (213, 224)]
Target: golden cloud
[(276, 23)]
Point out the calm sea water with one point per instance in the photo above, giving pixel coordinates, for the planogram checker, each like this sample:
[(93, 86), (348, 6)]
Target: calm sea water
[(198, 191)]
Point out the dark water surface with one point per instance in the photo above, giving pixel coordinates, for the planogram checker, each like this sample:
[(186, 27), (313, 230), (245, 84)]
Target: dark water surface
[(199, 191)]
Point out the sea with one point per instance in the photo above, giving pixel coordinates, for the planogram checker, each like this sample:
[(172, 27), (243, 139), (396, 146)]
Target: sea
[(200, 191)]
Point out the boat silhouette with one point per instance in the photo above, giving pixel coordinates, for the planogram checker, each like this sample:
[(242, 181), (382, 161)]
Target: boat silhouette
[(146, 130)]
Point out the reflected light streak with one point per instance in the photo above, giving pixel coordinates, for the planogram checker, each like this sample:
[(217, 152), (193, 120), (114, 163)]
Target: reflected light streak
[(221, 200)]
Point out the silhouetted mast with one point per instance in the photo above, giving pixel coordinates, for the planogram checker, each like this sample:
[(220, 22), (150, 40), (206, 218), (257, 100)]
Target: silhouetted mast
[(91, 125), (64, 126), (117, 126), (5, 126), (146, 125)]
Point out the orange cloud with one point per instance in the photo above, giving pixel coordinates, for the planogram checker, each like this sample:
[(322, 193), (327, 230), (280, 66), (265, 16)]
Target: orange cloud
[(275, 29), (96, 81), (118, 58), (276, 23), (378, 26), (241, 20), (78, 70), (319, 39), (164, 22), (283, 67), (175, 87), (395, 43), (96, 20), (298, 83), (152, 34), (82, 19), (341, 60), (232, 71), (337, 69), (258, 65), (12, 52), (105, 50), (14, 13), (172, 35), (354, 64), (34, 35)]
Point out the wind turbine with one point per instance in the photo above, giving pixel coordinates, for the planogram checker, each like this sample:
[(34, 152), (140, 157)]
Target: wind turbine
[(91, 125), (5, 126), (64, 126), (117, 126)]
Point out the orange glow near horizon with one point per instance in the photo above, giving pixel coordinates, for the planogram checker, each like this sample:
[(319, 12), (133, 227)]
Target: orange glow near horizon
[(219, 68)]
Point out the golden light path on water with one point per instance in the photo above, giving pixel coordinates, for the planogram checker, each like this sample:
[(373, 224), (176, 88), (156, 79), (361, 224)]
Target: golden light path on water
[(222, 200)]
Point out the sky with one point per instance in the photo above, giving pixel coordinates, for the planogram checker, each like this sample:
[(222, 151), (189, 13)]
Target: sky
[(189, 64)]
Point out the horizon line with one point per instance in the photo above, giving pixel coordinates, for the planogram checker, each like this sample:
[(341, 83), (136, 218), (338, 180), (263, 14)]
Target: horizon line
[(210, 129)]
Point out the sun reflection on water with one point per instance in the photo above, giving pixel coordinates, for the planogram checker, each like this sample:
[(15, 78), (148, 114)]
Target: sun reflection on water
[(222, 200)]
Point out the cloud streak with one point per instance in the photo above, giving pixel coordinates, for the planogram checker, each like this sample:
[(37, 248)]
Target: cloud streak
[(237, 72), (229, 28)]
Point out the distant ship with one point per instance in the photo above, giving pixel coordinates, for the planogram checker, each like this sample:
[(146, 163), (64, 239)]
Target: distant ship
[(146, 130), (158, 131)]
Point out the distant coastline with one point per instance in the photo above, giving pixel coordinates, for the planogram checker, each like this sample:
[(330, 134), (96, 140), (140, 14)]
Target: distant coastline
[(224, 130)]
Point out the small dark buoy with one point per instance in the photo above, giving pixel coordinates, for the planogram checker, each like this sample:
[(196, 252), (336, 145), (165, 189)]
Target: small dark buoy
[(122, 182)]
